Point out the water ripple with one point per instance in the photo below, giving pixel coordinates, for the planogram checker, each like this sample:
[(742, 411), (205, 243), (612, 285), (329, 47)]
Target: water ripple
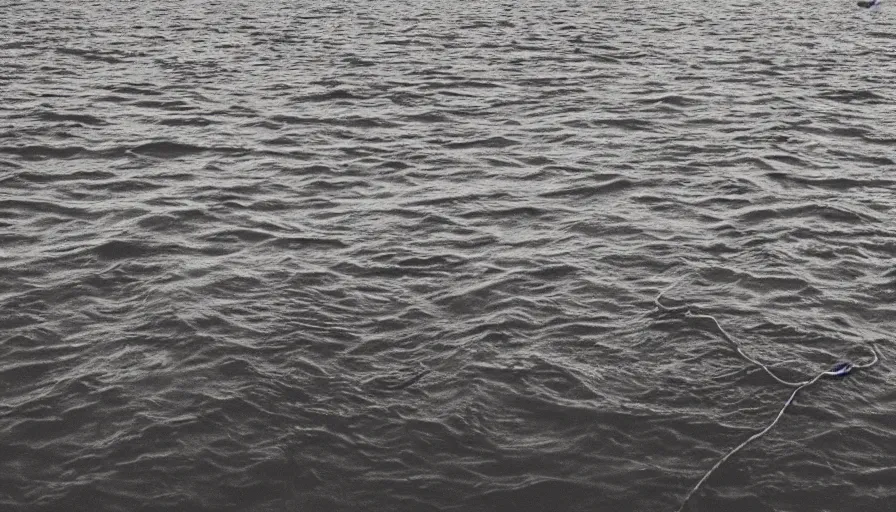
[(402, 255)]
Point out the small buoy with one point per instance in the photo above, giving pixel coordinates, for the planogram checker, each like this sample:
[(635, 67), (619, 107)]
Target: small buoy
[(841, 369), (872, 5)]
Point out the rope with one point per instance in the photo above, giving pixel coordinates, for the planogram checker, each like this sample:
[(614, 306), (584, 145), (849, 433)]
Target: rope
[(838, 370)]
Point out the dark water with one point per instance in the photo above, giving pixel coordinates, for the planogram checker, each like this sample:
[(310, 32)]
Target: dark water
[(401, 255)]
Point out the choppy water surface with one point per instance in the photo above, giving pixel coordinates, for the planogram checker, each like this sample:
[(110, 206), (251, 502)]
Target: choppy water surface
[(401, 255)]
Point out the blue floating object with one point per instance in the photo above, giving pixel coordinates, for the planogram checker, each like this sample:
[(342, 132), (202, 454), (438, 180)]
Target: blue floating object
[(841, 369)]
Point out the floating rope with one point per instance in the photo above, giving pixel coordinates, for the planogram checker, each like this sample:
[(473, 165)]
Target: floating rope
[(838, 370)]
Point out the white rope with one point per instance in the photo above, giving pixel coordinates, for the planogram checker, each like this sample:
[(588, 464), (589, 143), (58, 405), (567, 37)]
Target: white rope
[(838, 370)]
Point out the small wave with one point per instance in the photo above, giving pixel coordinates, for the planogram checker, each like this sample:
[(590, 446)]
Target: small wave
[(186, 121), (542, 494), (824, 212), (171, 105), (37, 206), (764, 283), (677, 100), (16, 45), (462, 84), (42, 152), (124, 185), (338, 94), (168, 149), (789, 160), (358, 62), (452, 199), (350, 122), (429, 117), (135, 89), (489, 142), (511, 212), (125, 249), (90, 55), (860, 157), (628, 123), (300, 242), (77, 118), (237, 235), (438, 261), (158, 222), (591, 190), (394, 165), (854, 95), (63, 177), (397, 381), (831, 183)]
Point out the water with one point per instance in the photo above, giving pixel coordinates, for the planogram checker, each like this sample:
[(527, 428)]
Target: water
[(401, 255)]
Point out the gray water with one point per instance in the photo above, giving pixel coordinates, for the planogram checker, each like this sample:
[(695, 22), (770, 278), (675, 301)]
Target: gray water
[(401, 255)]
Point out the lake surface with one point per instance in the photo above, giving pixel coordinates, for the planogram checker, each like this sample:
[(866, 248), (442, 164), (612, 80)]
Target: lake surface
[(402, 255)]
